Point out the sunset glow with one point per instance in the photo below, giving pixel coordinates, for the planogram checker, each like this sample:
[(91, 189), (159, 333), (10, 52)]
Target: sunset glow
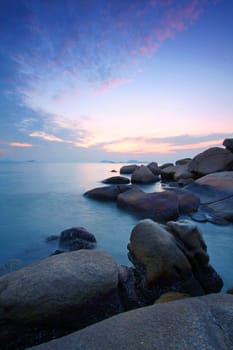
[(115, 79)]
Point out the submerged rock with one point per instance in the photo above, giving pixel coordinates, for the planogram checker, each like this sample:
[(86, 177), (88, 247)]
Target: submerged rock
[(116, 180), (76, 238), (107, 193)]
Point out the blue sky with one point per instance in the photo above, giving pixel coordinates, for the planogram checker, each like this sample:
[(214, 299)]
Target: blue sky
[(85, 80)]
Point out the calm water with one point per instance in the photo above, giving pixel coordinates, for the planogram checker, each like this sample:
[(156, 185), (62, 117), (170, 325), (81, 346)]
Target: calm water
[(37, 200)]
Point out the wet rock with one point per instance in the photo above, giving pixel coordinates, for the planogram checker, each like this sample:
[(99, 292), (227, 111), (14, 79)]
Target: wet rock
[(160, 206), (199, 216), (210, 161), (230, 290), (76, 238), (116, 180), (188, 201), (143, 175), (107, 193), (216, 194), (128, 169)]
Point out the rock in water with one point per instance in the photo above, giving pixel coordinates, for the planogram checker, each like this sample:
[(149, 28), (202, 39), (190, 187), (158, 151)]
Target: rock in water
[(128, 169), (76, 238), (116, 180), (143, 175)]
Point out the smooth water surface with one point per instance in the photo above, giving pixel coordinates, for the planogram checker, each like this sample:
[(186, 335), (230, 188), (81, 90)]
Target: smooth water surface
[(38, 200)]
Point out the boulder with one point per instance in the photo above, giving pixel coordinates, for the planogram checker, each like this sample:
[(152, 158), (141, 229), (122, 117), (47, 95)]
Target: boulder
[(153, 247), (160, 206), (228, 143), (128, 169), (176, 172), (143, 175), (210, 161), (165, 165), (76, 238), (153, 166), (188, 201), (171, 257), (183, 161), (216, 194), (116, 180), (107, 193), (192, 323), (60, 290)]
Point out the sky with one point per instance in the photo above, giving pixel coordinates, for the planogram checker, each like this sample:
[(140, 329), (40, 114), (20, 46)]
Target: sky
[(92, 80)]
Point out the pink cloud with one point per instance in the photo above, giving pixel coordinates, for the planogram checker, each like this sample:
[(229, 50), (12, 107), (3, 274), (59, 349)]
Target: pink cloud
[(19, 144), (46, 137), (113, 83)]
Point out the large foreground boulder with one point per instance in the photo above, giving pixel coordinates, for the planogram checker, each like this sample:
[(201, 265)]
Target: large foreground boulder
[(171, 257), (44, 291), (65, 291), (188, 324), (210, 161)]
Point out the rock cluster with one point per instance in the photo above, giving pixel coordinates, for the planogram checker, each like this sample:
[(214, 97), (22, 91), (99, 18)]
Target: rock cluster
[(205, 186), (70, 291)]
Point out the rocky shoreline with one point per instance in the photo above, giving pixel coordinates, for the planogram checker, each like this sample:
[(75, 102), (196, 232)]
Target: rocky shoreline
[(171, 284)]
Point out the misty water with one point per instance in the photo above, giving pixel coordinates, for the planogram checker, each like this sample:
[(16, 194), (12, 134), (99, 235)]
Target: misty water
[(38, 200)]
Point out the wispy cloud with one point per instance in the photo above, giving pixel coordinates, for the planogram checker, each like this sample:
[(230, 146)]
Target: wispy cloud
[(56, 57), (46, 137), (163, 145), (20, 144)]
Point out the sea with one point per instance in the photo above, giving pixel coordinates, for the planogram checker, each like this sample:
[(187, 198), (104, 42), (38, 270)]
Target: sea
[(38, 200)]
